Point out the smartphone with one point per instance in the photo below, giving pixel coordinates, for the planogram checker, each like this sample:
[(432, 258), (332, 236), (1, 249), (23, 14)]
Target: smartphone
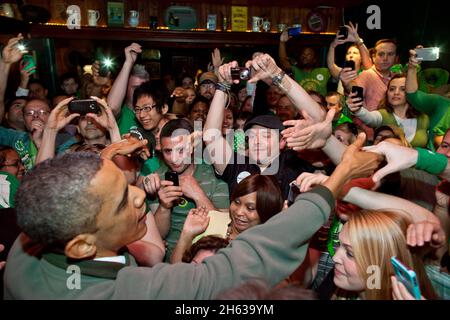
[(359, 92), (294, 191), (427, 54), (84, 106), (240, 73), (407, 277), (294, 31), (343, 32), (27, 63), (172, 176), (349, 64)]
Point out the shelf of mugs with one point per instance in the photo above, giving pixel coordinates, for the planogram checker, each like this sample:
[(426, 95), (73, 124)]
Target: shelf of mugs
[(166, 37)]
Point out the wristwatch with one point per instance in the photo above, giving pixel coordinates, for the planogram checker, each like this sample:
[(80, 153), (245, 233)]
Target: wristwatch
[(276, 80), (360, 42)]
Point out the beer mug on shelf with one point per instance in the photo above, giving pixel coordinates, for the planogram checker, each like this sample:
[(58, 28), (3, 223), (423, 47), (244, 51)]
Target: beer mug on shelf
[(256, 24), (93, 16), (133, 19), (266, 25)]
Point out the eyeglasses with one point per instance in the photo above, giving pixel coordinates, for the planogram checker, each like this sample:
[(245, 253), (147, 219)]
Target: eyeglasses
[(145, 109), (31, 113)]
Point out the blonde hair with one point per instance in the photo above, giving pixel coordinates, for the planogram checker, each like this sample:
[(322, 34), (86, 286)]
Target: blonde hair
[(375, 237)]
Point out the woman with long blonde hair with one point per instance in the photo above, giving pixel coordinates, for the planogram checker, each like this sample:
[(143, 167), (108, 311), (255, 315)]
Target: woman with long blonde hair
[(367, 242)]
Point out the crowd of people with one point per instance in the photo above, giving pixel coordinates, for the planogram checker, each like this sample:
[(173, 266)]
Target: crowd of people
[(286, 184)]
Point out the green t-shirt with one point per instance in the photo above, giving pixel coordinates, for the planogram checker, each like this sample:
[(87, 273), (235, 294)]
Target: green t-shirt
[(315, 80), (215, 189), (126, 120), (8, 188)]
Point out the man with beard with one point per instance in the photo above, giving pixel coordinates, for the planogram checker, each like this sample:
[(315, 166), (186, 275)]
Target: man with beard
[(305, 72), (198, 186)]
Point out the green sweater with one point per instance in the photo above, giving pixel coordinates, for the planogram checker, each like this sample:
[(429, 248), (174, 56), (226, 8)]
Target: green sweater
[(271, 251), (437, 108)]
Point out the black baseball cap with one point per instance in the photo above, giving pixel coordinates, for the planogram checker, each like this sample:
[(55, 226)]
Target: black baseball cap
[(267, 121)]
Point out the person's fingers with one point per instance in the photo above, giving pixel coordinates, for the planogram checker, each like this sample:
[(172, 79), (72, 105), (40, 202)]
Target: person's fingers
[(420, 227), (360, 140), (64, 102), (330, 115), (395, 290), (428, 232), (71, 117), (411, 236), (403, 292), (383, 172)]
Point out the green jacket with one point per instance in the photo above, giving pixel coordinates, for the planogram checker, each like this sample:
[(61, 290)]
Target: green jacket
[(271, 251)]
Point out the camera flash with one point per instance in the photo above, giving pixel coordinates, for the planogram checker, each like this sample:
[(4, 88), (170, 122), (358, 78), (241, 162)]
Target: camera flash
[(21, 47), (107, 62)]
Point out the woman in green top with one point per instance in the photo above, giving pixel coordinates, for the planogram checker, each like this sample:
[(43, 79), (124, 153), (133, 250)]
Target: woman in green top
[(394, 110), (435, 106)]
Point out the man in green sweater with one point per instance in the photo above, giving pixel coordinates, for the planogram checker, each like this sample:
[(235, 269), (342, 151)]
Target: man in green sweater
[(77, 212)]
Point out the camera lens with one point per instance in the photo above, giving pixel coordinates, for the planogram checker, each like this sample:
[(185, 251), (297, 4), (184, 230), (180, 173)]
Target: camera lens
[(244, 75), (92, 106)]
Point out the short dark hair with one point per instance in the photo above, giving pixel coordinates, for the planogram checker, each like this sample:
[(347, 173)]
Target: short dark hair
[(3, 150), (381, 41), (67, 76), (175, 124), (196, 100), (149, 89), (54, 203), (213, 243), (9, 102), (269, 200)]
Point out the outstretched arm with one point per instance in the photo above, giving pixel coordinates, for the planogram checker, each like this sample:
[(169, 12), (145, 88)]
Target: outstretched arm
[(10, 54), (219, 150), (264, 68), (282, 53), (119, 87)]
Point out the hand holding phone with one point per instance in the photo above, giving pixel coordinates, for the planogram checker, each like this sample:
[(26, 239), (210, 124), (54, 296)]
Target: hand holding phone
[(349, 64), (427, 54), (27, 63), (359, 92), (343, 33), (84, 106), (407, 277), (172, 176)]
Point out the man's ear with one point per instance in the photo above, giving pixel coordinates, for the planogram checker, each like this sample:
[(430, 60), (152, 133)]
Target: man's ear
[(165, 109), (46, 92), (81, 247)]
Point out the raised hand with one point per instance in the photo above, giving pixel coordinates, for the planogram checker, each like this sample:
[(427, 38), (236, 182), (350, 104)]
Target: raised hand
[(11, 52), (353, 35), (306, 181), (224, 73), (58, 118), (362, 164), (347, 75), (284, 36), (413, 61), (354, 104), (264, 67), (305, 134), (216, 59), (131, 52), (398, 158), (106, 119), (196, 222)]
